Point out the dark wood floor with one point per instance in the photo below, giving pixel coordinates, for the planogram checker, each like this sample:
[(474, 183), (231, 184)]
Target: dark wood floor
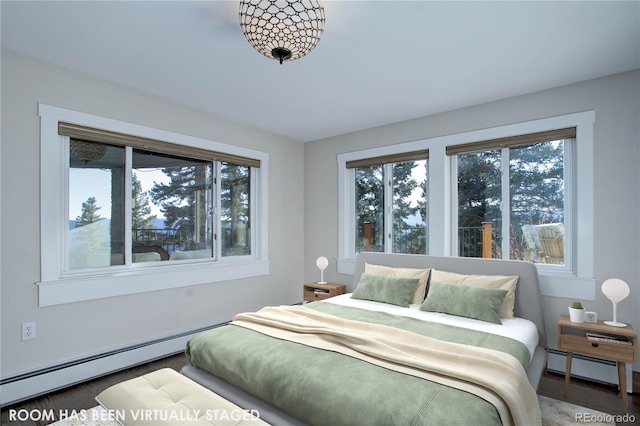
[(587, 394), (605, 398), (83, 395)]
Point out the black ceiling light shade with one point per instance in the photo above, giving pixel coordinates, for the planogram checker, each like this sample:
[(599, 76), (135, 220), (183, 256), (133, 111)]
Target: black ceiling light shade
[(283, 30)]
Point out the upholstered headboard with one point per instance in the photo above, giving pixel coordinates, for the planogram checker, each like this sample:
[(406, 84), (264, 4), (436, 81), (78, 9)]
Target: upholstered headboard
[(528, 300)]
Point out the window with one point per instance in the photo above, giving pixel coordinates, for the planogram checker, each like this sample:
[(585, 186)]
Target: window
[(512, 197), (173, 203), (528, 184), (96, 236), (139, 209), (390, 203)]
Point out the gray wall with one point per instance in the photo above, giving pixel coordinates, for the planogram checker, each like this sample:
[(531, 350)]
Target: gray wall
[(616, 101), (75, 330), (299, 175)]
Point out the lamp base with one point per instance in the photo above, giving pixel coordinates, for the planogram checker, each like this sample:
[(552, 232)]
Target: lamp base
[(322, 282), (615, 324)]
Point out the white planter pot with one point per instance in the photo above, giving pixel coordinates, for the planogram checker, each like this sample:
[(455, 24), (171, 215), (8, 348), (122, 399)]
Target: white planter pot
[(576, 315)]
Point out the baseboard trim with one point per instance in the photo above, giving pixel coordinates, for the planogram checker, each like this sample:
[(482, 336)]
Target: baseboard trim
[(590, 368), (38, 382)]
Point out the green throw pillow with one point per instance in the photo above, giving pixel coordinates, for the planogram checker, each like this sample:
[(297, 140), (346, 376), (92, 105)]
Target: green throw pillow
[(464, 301), (380, 288)]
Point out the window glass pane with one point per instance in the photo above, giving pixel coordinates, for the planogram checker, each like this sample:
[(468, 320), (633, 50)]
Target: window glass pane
[(479, 202), (235, 213), (96, 205), (410, 207), (534, 214), (172, 207), (537, 202), (369, 208)]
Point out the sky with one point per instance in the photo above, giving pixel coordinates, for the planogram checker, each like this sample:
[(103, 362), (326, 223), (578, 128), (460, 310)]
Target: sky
[(86, 183)]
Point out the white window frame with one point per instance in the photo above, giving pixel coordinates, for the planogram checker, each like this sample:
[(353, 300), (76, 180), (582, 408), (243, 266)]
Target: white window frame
[(389, 236), (576, 283), (568, 268), (57, 287)]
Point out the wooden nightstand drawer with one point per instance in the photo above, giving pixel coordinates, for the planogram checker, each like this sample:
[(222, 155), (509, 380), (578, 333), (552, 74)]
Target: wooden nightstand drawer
[(316, 291), (311, 295), (597, 349)]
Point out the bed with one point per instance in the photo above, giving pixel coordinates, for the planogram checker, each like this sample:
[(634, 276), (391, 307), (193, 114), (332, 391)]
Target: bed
[(375, 356)]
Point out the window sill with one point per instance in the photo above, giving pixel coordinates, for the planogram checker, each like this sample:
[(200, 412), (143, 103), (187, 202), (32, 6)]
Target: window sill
[(347, 266), (139, 280), (567, 286)]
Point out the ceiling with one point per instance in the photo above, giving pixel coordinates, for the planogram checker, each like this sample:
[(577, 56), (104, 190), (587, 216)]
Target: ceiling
[(378, 62)]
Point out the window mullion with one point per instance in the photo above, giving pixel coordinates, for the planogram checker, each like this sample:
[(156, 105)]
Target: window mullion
[(217, 203), (453, 210), (346, 194), (569, 203), (253, 211), (388, 208), (505, 205), (66, 243), (128, 206)]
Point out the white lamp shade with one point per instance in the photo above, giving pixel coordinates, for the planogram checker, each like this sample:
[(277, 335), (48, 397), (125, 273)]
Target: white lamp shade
[(615, 289), (322, 263)]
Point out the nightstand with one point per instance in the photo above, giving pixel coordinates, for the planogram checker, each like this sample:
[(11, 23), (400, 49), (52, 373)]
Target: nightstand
[(315, 291), (572, 338)]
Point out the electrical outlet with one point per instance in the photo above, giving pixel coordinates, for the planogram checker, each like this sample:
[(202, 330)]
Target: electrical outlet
[(28, 330)]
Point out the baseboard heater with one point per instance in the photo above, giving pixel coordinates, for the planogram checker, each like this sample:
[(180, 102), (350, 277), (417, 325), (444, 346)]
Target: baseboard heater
[(589, 368), (38, 382)]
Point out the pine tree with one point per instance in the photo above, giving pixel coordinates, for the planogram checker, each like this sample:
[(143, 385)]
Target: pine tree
[(234, 209), (407, 238), (141, 217), (91, 235), (370, 206), (182, 202), (89, 213)]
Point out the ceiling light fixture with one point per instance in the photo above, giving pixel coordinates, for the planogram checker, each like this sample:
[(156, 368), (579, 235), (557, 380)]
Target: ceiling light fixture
[(284, 30), (87, 151)]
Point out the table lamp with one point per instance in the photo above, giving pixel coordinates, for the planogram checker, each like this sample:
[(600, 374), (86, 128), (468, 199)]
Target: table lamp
[(616, 290), (322, 263)]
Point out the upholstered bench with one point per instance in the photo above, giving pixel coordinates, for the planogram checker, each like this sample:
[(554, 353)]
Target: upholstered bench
[(166, 397)]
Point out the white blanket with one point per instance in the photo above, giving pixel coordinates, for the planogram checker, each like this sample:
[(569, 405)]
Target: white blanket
[(518, 329)]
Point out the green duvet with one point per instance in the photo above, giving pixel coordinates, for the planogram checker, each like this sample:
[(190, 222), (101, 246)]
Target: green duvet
[(322, 387)]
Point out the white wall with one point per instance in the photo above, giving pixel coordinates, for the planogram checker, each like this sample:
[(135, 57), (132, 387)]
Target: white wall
[(616, 101), (73, 331)]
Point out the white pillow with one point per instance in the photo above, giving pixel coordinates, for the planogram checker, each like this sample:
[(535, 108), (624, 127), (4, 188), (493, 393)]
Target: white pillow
[(388, 271)]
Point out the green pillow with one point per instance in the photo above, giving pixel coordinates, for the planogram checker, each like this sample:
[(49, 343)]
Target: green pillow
[(380, 288), (465, 301)]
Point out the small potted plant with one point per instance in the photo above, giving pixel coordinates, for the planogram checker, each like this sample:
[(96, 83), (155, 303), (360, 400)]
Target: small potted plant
[(576, 312)]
